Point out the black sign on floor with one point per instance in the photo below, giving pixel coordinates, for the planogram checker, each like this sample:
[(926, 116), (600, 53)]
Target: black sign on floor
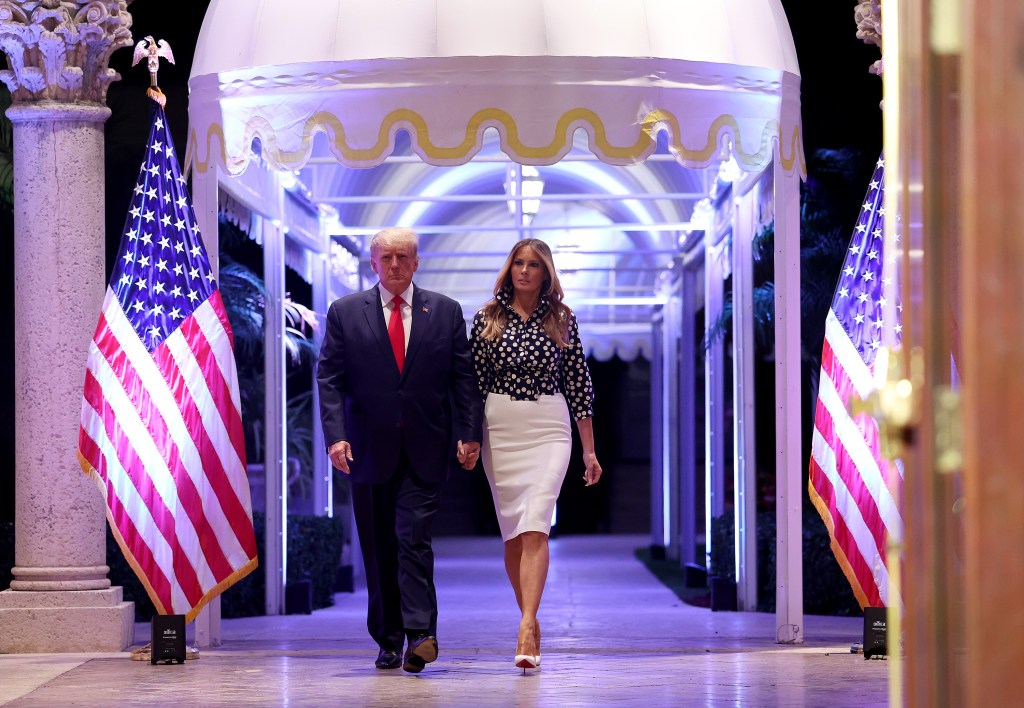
[(168, 639), (875, 643)]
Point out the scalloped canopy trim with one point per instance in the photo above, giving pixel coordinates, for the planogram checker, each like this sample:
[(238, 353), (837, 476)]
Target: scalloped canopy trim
[(790, 146)]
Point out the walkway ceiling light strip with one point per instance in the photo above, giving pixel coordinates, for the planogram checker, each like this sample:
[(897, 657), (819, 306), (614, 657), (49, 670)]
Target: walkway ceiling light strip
[(614, 301), (575, 252), (481, 229), (496, 198), (645, 290), (640, 269), (417, 160)]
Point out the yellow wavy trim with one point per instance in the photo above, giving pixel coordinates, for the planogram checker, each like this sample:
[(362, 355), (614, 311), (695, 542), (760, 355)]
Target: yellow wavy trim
[(213, 592), (510, 141), (837, 550)]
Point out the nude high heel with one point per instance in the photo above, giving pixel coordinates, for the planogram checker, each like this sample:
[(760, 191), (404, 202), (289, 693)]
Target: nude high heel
[(528, 661)]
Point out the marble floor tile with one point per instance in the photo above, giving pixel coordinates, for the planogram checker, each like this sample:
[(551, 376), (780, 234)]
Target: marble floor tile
[(612, 635)]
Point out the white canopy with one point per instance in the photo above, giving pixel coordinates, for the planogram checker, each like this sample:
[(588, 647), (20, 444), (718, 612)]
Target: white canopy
[(448, 79), (533, 70)]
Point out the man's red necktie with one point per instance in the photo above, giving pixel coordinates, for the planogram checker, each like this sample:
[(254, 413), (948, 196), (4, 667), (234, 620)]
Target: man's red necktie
[(396, 331)]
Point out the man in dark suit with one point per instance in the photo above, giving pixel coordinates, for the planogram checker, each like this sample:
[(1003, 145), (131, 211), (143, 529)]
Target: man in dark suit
[(397, 389)]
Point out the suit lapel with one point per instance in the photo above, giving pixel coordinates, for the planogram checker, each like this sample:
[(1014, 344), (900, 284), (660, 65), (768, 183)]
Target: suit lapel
[(375, 319), (421, 312)]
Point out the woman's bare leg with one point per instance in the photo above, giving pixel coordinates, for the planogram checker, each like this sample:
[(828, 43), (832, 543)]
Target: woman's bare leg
[(513, 559), (533, 574)]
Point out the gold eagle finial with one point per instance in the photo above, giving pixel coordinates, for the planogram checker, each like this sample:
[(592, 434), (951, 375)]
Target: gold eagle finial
[(152, 50)]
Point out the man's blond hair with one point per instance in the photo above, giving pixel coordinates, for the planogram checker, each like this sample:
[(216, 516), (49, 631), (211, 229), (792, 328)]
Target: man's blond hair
[(395, 237)]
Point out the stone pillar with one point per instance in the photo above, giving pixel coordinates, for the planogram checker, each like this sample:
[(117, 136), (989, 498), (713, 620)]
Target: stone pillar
[(60, 598)]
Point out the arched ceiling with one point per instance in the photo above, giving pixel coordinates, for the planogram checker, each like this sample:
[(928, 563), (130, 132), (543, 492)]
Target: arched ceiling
[(389, 106), (612, 250)]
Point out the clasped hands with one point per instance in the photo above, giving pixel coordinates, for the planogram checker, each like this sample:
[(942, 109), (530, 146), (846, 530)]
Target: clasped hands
[(341, 454), (467, 454)]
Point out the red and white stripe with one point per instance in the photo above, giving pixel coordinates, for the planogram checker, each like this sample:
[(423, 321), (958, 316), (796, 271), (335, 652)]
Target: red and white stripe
[(162, 436), (854, 488)]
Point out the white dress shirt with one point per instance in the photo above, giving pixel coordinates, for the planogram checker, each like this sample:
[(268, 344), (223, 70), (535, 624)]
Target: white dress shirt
[(385, 303)]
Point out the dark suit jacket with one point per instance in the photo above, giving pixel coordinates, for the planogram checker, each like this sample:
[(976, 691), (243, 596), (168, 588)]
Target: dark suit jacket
[(365, 401)]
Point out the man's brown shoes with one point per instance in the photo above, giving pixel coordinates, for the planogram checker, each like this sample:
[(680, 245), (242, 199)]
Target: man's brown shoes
[(388, 659), (422, 650)]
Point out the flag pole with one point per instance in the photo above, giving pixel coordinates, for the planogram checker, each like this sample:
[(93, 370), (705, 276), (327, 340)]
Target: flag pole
[(161, 429)]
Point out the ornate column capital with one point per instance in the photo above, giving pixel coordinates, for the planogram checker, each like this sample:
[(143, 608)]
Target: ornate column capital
[(59, 50)]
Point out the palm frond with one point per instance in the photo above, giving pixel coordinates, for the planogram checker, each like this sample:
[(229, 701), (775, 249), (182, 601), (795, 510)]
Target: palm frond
[(244, 297), (828, 209), (300, 441), (298, 315), (764, 315)]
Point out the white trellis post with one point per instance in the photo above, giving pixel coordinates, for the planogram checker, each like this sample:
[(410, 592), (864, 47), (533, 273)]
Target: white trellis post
[(744, 448), (206, 204), (789, 601), (714, 392)]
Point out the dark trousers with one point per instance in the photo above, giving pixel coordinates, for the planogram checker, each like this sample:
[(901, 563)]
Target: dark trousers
[(393, 519)]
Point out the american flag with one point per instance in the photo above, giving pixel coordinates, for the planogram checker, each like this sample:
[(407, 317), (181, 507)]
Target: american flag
[(161, 425), (853, 487)]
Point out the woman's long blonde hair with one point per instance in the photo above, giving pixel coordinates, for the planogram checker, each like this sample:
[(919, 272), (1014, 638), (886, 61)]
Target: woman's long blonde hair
[(556, 319)]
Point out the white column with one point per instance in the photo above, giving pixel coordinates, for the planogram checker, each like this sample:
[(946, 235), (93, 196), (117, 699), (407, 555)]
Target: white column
[(275, 412), (60, 599), (670, 411), (206, 204), (659, 440), (789, 574), (323, 474), (687, 408), (714, 394), (744, 452)]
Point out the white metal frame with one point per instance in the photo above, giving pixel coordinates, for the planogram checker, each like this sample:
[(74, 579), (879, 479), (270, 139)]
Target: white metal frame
[(687, 408), (205, 200), (672, 486), (744, 440), (260, 191), (715, 262), (740, 215), (275, 436), (789, 602), (659, 425)]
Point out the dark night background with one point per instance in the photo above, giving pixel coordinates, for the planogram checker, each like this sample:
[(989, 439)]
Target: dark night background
[(840, 101)]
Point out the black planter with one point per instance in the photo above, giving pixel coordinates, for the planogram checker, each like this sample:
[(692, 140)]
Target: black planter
[(298, 597), (344, 580), (695, 576), (723, 595)]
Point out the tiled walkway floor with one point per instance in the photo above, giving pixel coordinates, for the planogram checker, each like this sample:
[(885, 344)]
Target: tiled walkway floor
[(612, 635)]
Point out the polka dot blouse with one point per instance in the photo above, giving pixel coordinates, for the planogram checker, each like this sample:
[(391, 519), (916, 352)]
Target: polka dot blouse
[(525, 362)]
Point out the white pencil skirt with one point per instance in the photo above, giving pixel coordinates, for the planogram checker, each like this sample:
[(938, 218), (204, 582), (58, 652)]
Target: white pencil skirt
[(526, 451)]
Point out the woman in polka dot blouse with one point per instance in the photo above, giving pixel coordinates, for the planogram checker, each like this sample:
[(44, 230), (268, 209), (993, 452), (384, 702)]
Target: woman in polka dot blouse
[(532, 373)]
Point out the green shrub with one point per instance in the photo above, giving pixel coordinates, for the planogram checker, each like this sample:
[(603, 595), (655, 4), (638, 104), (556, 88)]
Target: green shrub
[(826, 589), (314, 552)]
